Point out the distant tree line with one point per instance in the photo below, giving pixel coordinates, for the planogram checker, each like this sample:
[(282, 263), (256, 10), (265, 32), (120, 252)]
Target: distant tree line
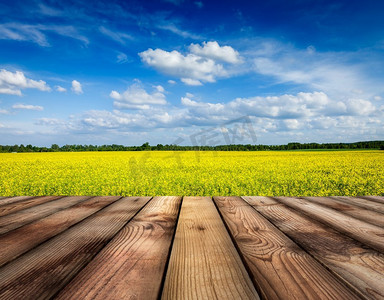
[(160, 147)]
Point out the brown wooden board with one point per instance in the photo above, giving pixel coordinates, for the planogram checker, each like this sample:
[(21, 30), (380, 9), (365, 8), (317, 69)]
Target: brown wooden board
[(364, 203), (45, 270), (204, 263), (9, 200), (19, 205), (279, 267), (25, 216), (361, 267), (379, 199), (363, 214), (366, 233), (20, 240), (132, 265)]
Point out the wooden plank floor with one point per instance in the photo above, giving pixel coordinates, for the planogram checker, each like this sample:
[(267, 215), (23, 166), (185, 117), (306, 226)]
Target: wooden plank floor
[(171, 247)]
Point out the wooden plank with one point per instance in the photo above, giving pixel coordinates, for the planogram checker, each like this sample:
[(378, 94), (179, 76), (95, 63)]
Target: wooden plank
[(379, 199), (132, 265), (9, 200), (279, 267), (22, 217), (361, 267), (363, 203), (360, 213), (45, 270), (366, 233), (20, 240), (204, 263), (19, 205)]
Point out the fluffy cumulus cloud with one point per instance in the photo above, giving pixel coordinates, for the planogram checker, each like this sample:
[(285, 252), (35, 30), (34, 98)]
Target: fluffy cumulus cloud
[(60, 89), (306, 117), (27, 107), (13, 82), (76, 87), (136, 97), (214, 51), (203, 63)]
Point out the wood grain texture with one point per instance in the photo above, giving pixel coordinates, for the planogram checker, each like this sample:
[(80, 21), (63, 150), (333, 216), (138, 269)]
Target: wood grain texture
[(360, 213), (9, 200), (362, 268), (45, 270), (280, 268), (20, 240), (379, 199), (25, 216), (19, 205), (132, 265), (366, 233), (361, 202), (204, 263)]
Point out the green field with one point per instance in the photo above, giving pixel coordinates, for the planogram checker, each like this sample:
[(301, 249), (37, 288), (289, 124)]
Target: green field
[(273, 173)]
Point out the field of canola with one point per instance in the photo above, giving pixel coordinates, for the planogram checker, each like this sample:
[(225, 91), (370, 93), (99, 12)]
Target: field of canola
[(295, 173)]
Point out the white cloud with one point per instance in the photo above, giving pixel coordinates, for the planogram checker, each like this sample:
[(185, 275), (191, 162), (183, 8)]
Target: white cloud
[(284, 107), (377, 98), (122, 58), (28, 107), (76, 87), (330, 72), (119, 37), (4, 112), (360, 107), (21, 32), (49, 121), (191, 68), (60, 89), (190, 81), (185, 34), (305, 117), (12, 83), (160, 89), (36, 33), (49, 11), (216, 52), (171, 81), (135, 97), (292, 124)]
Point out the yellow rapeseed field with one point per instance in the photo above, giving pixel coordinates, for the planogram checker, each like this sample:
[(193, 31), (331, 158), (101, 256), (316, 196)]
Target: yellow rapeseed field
[(294, 173)]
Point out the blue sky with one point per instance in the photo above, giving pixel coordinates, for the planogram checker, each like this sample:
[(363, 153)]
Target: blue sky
[(128, 72)]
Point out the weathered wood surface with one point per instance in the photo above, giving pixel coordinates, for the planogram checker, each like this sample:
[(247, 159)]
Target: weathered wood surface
[(9, 200), (44, 271), (29, 202), (132, 265), (355, 211), (25, 216), (15, 243), (379, 199), (360, 267), (280, 268), (192, 248), (361, 202), (366, 233), (204, 263)]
